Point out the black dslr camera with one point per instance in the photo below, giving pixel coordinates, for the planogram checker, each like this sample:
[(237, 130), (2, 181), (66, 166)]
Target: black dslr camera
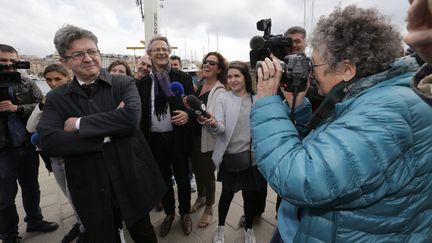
[(9, 80)]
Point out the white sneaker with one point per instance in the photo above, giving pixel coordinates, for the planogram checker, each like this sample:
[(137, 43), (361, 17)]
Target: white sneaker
[(193, 184), (219, 236), (249, 236)]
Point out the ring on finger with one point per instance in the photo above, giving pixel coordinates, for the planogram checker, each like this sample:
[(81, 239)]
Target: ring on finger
[(271, 75)]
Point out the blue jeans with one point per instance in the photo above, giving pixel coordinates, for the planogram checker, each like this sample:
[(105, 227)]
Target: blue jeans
[(20, 164)]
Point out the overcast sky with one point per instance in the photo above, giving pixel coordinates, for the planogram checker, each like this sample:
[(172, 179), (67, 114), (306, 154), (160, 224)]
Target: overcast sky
[(191, 25)]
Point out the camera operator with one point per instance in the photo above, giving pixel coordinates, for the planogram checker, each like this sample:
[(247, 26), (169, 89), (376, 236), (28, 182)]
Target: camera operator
[(366, 163), (298, 36), (18, 158)]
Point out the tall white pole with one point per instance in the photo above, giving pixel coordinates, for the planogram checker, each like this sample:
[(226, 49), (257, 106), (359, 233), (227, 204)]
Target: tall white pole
[(151, 21)]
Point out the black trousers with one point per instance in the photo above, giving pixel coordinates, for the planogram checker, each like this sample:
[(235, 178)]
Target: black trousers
[(249, 206), (22, 165), (163, 149)]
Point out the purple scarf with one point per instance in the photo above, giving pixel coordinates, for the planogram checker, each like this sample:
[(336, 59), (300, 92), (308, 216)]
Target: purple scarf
[(162, 92)]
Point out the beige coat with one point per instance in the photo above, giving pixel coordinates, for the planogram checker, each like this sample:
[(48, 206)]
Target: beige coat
[(207, 138)]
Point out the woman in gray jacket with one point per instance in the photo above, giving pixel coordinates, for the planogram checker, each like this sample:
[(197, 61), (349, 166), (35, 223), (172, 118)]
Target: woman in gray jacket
[(231, 123)]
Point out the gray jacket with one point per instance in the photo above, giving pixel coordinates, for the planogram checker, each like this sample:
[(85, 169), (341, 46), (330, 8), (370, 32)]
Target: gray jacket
[(227, 109)]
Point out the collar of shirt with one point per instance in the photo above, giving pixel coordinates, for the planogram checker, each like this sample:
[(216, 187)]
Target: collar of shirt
[(81, 82)]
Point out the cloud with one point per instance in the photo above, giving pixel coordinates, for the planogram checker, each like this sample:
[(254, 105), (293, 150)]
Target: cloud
[(191, 25)]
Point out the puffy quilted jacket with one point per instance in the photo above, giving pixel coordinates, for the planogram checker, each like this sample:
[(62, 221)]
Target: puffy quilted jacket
[(364, 175)]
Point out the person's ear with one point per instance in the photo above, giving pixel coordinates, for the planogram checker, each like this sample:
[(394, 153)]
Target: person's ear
[(64, 62), (349, 70)]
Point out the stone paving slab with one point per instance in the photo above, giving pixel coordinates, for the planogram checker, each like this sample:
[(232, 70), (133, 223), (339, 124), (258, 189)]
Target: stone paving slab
[(55, 207)]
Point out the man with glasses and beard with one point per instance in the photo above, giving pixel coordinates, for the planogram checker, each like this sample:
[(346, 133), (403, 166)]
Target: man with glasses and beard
[(93, 123)]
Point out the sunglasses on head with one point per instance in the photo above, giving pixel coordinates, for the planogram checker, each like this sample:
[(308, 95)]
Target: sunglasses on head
[(210, 62)]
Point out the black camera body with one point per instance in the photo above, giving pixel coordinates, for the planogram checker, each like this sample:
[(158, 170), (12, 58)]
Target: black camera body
[(296, 69), (295, 72), (9, 80), (277, 44)]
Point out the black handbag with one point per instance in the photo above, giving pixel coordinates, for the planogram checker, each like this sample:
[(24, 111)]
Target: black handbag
[(239, 161)]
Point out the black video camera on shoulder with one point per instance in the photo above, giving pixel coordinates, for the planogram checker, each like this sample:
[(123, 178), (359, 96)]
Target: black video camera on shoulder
[(263, 46), (10, 78), (295, 67)]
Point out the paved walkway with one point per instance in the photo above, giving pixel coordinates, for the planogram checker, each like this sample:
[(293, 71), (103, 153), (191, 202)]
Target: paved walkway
[(55, 207)]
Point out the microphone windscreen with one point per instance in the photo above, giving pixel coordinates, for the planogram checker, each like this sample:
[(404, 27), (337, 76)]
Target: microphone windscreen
[(35, 139), (193, 102), (257, 42), (177, 88)]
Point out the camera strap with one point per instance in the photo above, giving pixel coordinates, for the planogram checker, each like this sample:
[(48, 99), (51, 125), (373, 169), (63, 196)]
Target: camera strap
[(336, 94)]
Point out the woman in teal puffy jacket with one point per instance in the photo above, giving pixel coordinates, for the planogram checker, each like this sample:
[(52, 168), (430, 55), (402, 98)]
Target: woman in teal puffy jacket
[(363, 173)]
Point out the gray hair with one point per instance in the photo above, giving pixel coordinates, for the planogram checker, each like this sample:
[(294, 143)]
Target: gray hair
[(363, 36), (295, 30), (157, 38), (69, 33)]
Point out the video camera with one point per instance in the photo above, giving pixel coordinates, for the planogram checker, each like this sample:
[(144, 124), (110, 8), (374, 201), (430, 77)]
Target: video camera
[(263, 46), (295, 67), (9, 80)]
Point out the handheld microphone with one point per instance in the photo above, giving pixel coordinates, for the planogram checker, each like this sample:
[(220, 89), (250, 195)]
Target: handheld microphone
[(177, 88), (197, 106), (35, 140)]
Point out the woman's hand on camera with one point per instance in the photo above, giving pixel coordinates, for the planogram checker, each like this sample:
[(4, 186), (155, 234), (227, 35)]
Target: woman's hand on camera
[(269, 75)]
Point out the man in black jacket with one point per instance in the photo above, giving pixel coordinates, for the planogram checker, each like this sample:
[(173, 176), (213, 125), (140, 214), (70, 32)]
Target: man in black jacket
[(93, 123), (165, 123), (18, 158)]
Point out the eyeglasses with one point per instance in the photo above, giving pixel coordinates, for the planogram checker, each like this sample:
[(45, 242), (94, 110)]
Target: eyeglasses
[(79, 55), (317, 65), (165, 50), (312, 73), (210, 62)]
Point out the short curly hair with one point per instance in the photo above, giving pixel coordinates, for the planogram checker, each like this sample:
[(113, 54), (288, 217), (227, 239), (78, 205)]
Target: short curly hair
[(363, 36)]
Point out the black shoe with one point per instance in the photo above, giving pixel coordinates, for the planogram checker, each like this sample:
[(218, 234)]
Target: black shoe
[(73, 233), (15, 239), (82, 238), (44, 226)]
